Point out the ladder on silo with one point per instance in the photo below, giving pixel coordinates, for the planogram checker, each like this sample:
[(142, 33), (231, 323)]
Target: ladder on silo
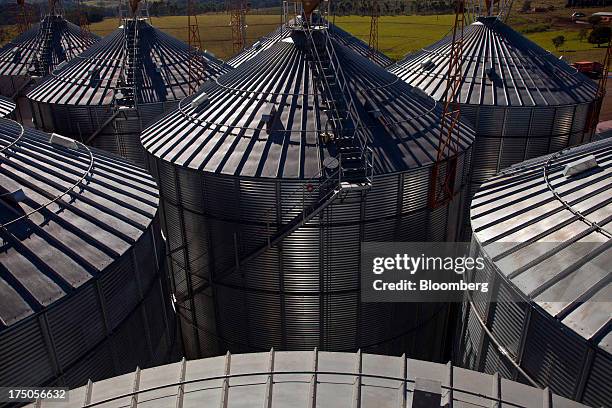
[(42, 62), (344, 128), (125, 96), (354, 157)]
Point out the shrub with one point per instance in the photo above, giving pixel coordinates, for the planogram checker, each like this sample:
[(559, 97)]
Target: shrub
[(558, 41), (600, 35)]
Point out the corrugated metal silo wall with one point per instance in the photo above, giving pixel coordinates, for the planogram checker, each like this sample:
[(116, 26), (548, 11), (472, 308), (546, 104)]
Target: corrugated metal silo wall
[(506, 136), (549, 353), (305, 292), (121, 136), (11, 85), (110, 325)]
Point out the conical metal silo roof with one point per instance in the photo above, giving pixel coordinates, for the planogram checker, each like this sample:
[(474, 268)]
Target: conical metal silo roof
[(67, 213), (544, 230), (158, 72), (500, 68), (264, 118), (7, 106), (42, 48), (337, 33)]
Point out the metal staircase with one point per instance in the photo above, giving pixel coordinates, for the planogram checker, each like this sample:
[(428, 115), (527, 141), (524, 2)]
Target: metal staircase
[(41, 65), (344, 135), (344, 128)]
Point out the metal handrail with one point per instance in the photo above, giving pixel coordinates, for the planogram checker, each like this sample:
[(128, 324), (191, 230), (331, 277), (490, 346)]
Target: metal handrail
[(337, 68), (129, 81)]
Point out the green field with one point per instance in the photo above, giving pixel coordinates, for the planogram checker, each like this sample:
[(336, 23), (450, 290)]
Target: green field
[(398, 35), (215, 32)]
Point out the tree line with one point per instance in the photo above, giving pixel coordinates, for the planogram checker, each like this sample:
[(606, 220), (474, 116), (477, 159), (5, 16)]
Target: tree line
[(179, 7)]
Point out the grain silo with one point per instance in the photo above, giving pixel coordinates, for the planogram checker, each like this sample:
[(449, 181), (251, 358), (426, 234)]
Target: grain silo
[(309, 379), (37, 52), (543, 228), (523, 101), (7, 106), (83, 288), (338, 34), (251, 173), (119, 86)]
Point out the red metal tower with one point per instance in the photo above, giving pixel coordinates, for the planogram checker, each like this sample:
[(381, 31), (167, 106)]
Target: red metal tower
[(23, 20), (196, 62), (442, 182), (237, 10), (601, 91), (374, 16), (83, 21)]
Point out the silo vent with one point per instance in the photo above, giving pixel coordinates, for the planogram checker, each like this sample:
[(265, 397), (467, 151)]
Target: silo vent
[(200, 100), (59, 140), (428, 64), (580, 166), (427, 393)]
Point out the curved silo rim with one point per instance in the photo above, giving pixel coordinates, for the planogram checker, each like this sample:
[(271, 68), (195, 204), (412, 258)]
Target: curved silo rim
[(370, 371)]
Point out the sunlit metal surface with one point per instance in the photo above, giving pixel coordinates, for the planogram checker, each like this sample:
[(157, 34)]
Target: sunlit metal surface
[(523, 101), (234, 165), (309, 379), (547, 240), (7, 107), (78, 99), (82, 273), (342, 37)]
